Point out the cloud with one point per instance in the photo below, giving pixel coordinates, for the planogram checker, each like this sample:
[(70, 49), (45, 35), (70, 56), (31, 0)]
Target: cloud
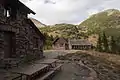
[(68, 11)]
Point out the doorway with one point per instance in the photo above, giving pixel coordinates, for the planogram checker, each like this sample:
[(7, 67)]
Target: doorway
[(9, 42)]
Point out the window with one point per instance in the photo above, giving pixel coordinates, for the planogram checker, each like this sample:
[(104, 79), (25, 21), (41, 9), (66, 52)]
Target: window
[(8, 14), (73, 46)]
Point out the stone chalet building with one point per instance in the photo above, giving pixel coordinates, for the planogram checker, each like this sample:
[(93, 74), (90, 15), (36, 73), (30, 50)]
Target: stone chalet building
[(18, 34), (71, 44)]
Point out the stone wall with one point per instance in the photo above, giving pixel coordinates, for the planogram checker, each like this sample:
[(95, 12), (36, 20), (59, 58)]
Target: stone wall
[(1, 45), (24, 35)]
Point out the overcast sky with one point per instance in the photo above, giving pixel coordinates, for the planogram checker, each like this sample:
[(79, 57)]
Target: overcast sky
[(68, 11)]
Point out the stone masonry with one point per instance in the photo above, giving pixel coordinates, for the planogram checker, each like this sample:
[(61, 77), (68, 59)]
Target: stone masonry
[(28, 41)]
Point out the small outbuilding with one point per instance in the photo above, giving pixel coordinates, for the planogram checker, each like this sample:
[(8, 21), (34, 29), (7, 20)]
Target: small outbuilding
[(60, 44)]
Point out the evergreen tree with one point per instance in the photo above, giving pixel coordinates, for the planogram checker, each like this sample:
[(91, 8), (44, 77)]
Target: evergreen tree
[(99, 44), (113, 45), (51, 37), (48, 41), (105, 43), (118, 44), (56, 36)]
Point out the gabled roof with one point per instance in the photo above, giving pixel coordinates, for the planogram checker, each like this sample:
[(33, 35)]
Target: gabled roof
[(36, 29), (16, 4), (58, 39), (79, 42), (24, 8)]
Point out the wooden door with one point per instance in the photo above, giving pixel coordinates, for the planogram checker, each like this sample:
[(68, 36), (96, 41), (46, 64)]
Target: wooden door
[(9, 42)]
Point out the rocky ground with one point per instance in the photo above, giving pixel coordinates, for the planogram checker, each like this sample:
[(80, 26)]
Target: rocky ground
[(73, 71), (105, 69), (85, 65), (107, 66)]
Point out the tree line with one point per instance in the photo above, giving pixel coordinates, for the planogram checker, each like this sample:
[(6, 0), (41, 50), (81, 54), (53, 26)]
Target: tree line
[(48, 41), (108, 44)]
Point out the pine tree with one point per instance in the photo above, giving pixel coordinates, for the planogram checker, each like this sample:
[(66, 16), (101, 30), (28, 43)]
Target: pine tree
[(99, 44), (51, 37), (113, 45), (48, 41), (56, 36), (105, 43), (118, 45)]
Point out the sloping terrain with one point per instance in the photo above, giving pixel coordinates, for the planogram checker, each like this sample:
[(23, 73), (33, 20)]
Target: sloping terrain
[(108, 21), (62, 30)]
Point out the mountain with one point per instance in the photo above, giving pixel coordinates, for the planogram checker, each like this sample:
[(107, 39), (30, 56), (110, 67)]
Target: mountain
[(61, 30), (38, 23), (108, 21)]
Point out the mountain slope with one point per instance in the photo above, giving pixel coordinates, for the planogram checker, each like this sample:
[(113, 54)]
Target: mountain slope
[(61, 30), (108, 20)]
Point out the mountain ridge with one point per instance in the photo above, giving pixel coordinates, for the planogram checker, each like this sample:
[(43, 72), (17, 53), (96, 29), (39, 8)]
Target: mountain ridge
[(101, 21), (107, 20)]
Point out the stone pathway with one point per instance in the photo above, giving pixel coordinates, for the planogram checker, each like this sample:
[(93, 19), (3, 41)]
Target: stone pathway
[(55, 53), (72, 71)]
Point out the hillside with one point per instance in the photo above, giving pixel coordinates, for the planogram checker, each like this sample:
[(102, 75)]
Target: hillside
[(108, 21), (62, 30)]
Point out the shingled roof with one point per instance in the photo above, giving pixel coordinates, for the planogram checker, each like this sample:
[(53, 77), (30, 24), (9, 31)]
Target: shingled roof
[(79, 42)]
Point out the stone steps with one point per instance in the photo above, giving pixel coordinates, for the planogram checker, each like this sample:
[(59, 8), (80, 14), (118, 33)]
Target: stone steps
[(51, 73)]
